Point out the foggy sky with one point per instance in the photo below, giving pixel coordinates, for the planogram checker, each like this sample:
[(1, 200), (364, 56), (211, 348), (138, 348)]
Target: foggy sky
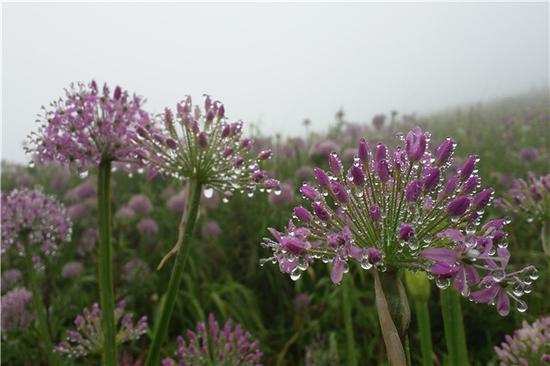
[(273, 64)]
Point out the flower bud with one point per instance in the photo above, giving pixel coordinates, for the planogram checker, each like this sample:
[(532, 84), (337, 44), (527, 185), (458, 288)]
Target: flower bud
[(227, 152), (339, 192), (302, 214), (413, 191), (450, 186), (363, 150), (375, 213), (171, 143), (246, 144), (406, 232), (380, 153), (322, 178), (482, 198), (431, 179), (471, 184), (458, 206), (264, 155), (357, 175), (202, 139), (443, 152), (335, 164), (382, 169), (226, 131), (374, 255), (221, 111), (118, 92), (468, 167), (309, 192), (321, 212), (415, 144)]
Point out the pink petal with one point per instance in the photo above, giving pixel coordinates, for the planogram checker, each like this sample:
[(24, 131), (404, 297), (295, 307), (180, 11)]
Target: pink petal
[(444, 255)]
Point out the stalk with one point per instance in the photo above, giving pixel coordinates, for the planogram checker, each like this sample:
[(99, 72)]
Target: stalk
[(423, 320), (352, 356), (105, 267), (454, 329), (394, 315), (39, 309), (161, 328)]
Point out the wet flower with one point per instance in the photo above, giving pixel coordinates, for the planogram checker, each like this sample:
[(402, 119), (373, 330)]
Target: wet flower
[(10, 278), (33, 216), (87, 126), (16, 309), (230, 345), (87, 339), (147, 227), (72, 270), (529, 345), (284, 197), (394, 209), (201, 144), (140, 204), (211, 230), (528, 198)]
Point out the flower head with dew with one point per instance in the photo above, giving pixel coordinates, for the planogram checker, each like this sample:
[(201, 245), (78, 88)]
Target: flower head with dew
[(528, 198), (87, 339), (210, 344), (89, 125), (16, 309), (394, 209), (33, 216), (201, 144), (529, 345)]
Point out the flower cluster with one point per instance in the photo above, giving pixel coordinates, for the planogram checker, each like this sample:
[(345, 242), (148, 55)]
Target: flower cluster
[(530, 345), (87, 126), (16, 312), (10, 278), (87, 339), (529, 198), (210, 344), (32, 216), (395, 209), (216, 154)]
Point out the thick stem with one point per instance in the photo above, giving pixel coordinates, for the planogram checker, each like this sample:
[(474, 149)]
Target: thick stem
[(161, 328), (39, 309), (346, 303), (105, 265), (423, 320), (454, 329), (393, 313)]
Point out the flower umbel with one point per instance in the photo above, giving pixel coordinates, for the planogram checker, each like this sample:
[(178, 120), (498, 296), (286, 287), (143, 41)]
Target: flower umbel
[(87, 126), (87, 339), (529, 345), (394, 209), (201, 144), (16, 309), (37, 217), (210, 344)]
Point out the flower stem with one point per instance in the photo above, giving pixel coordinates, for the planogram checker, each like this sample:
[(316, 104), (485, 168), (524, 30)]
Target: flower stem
[(105, 266), (423, 320), (346, 303), (394, 315), (161, 328), (39, 309), (454, 329)]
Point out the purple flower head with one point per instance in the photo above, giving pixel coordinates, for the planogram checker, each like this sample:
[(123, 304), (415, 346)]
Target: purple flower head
[(227, 345), (147, 227), (471, 184), (124, 213), (529, 345), (209, 149), (72, 270), (415, 144), (529, 154), (528, 199), (211, 230), (135, 270), (140, 204), (87, 339), (177, 201), (16, 310), (444, 152), (36, 217), (89, 125), (284, 196), (393, 214), (10, 278)]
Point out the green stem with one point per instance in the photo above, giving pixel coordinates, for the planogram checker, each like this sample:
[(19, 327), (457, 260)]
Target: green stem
[(423, 320), (153, 358), (346, 303), (39, 309), (105, 265), (454, 329)]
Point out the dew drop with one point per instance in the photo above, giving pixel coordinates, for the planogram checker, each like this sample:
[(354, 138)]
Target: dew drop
[(295, 274), (443, 283), (83, 174)]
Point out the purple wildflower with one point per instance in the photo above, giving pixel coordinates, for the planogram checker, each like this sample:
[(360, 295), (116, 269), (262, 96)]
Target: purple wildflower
[(10, 278), (135, 270), (140, 204), (529, 345), (72, 270), (147, 227), (16, 310), (38, 218), (227, 345), (211, 230), (89, 125), (284, 197)]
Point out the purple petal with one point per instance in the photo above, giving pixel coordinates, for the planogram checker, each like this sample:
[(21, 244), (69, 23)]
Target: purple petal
[(452, 234), (444, 255)]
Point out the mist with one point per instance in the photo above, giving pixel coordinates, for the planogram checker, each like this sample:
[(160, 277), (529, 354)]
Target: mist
[(273, 64)]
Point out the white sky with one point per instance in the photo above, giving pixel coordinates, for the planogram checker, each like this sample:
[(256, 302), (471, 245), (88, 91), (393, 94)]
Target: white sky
[(275, 64)]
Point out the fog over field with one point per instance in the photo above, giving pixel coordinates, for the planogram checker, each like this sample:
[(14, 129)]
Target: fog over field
[(274, 64)]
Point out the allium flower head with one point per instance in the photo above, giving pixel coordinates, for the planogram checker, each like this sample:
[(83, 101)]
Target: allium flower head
[(529, 345), (72, 270), (39, 218), (211, 230), (16, 309), (210, 344), (89, 125), (201, 144), (87, 339), (394, 209), (140, 204), (529, 198), (147, 227)]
